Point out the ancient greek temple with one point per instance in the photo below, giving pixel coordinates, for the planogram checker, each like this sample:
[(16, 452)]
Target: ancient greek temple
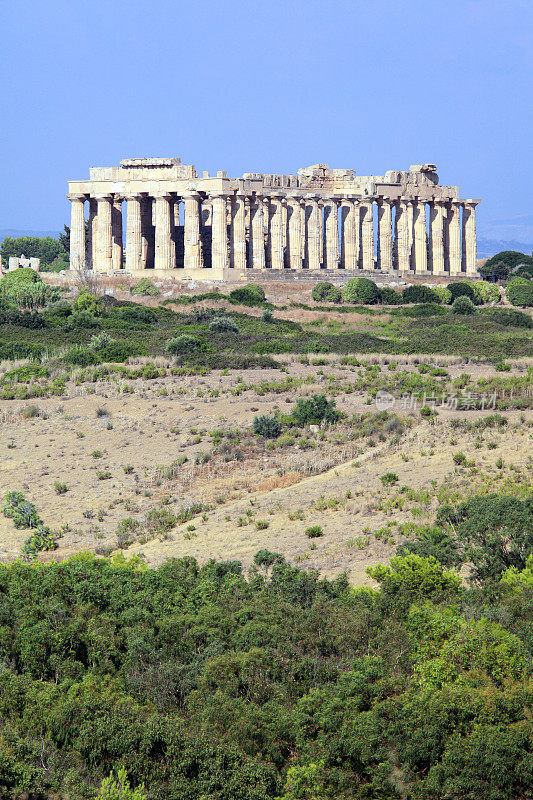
[(320, 220)]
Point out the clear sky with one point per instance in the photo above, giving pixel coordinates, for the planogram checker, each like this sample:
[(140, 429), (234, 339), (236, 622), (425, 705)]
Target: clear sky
[(267, 87)]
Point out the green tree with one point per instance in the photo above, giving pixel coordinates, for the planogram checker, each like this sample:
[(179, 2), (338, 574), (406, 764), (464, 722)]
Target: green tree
[(119, 788)]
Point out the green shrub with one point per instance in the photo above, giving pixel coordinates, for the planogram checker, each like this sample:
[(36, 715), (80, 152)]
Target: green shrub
[(86, 301), (250, 295), (82, 319), (432, 541), (80, 357), (463, 305), (519, 292), (60, 488), (389, 479), (325, 291), (460, 289), (509, 259), (145, 287), (360, 290), (267, 315), (118, 352), (389, 296), (266, 426), (444, 294), (314, 410), (314, 532), (100, 340), (185, 343), (19, 277), (484, 291), (223, 325), (509, 317), (23, 513), (419, 294)]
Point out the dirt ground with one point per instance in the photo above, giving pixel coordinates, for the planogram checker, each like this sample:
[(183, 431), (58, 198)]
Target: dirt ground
[(123, 454)]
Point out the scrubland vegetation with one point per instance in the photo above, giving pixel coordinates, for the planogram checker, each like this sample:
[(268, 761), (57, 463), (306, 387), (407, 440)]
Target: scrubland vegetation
[(256, 548)]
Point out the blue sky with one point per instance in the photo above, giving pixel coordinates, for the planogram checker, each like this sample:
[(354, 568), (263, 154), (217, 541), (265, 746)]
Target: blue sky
[(267, 87)]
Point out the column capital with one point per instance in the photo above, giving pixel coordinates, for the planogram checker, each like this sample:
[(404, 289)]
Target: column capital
[(191, 194), (73, 196), (102, 196), (132, 196), (161, 195), (473, 203), (312, 198), (218, 195)]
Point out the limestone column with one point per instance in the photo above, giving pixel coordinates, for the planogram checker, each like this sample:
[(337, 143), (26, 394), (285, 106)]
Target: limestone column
[(219, 247), (402, 223), (276, 233), (295, 232), (133, 233), (238, 231), (349, 235), (385, 234), (93, 223), (367, 234), (454, 237), (421, 257), (191, 231), (104, 260), (436, 218), (258, 235), (116, 229), (313, 233), (77, 232), (165, 253), (331, 225), (469, 236), (410, 227)]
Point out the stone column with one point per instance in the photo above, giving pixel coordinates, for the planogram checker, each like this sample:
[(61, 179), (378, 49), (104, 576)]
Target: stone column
[(238, 231), (436, 218), (191, 231), (258, 234), (276, 233), (165, 252), (313, 233), (402, 223), (454, 237), (93, 225), (116, 228), (385, 234), (349, 235), (77, 232), (421, 257), (469, 236), (295, 232), (367, 234), (133, 233), (410, 228), (104, 260), (219, 247), (331, 224)]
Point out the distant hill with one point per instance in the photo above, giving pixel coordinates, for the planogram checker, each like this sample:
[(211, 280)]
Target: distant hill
[(489, 247), (16, 233)]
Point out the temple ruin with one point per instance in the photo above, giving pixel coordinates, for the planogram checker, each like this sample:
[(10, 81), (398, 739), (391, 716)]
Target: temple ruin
[(319, 221)]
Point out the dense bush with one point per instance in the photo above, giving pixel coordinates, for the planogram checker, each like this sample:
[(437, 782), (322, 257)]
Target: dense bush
[(432, 541), (419, 294), (136, 313), (314, 410), (325, 291), (185, 344), (496, 532), (510, 259), (360, 290), (519, 292), (485, 292), (43, 247), (80, 356), (19, 277), (85, 301), (251, 294), (267, 426), (389, 296), (461, 289), (145, 287), (444, 294), (223, 325), (463, 305), (509, 317)]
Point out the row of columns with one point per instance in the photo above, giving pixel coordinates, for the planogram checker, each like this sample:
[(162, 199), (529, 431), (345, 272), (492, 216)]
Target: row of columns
[(278, 231)]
